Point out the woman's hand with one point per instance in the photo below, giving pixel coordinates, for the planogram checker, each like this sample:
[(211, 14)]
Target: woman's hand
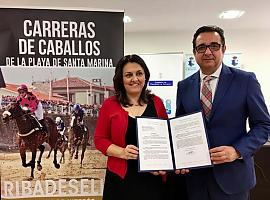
[(156, 173), (130, 152)]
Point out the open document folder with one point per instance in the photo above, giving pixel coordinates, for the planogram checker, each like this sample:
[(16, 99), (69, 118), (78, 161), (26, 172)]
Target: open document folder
[(176, 143)]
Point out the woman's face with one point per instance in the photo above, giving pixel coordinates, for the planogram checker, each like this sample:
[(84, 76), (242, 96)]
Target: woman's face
[(133, 78)]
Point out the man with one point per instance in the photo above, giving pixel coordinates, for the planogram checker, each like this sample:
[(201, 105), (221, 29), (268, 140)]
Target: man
[(228, 97), (77, 118), (60, 126), (77, 115), (29, 101)]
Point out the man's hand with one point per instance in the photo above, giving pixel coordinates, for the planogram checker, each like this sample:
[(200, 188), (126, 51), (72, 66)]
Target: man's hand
[(182, 171), (224, 154)]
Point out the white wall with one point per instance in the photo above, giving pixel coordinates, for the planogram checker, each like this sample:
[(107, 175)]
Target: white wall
[(253, 44)]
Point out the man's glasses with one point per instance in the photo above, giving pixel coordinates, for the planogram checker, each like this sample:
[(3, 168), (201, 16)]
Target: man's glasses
[(213, 47)]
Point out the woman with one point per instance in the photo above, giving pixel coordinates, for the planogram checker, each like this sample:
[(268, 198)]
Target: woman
[(115, 134)]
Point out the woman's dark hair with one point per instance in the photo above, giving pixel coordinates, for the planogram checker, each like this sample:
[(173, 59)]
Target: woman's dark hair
[(120, 91), (208, 28)]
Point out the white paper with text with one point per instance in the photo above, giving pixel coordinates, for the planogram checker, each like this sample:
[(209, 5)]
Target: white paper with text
[(154, 145), (190, 144)]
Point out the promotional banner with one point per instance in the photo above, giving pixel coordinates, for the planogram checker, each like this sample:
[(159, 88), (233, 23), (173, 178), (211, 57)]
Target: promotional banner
[(46, 38), (190, 65), (64, 59)]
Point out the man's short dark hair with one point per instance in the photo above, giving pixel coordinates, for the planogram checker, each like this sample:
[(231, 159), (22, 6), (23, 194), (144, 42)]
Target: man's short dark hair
[(208, 28)]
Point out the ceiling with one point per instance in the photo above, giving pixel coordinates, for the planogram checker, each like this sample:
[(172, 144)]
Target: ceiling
[(167, 15)]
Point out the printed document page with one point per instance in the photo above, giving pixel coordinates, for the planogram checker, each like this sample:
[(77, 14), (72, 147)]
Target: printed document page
[(154, 145), (190, 145)]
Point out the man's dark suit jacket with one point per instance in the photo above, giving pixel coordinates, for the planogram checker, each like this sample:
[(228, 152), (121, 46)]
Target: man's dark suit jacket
[(238, 98)]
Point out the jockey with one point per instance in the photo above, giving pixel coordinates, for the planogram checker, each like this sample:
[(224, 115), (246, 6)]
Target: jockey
[(60, 125), (77, 114), (29, 100)]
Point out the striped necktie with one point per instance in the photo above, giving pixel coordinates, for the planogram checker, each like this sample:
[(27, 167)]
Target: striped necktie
[(206, 96)]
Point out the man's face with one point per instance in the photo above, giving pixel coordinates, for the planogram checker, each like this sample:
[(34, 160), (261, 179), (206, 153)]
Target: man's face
[(209, 60)]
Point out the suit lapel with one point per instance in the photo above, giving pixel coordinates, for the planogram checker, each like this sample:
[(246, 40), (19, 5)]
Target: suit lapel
[(225, 80), (193, 94)]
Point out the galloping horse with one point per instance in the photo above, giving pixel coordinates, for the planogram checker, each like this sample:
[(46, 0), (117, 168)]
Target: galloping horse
[(78, 135), (62, 145), (31, 137)]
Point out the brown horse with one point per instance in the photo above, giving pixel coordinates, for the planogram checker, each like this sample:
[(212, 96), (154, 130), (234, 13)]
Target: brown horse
[(31, 137), (62, 145), (78, 135)]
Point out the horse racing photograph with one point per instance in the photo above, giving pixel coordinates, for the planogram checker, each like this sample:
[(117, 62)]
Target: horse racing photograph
[(48, 118)]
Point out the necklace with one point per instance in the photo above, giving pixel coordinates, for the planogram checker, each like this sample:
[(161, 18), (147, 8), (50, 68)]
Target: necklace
[(135, 110)]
